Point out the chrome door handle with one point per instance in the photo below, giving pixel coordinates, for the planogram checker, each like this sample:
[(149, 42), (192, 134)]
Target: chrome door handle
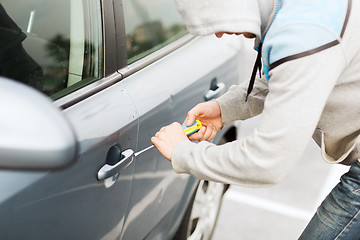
[(216, 89), (108, 170)]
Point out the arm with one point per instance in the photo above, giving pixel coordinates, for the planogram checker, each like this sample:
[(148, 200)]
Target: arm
[(233, 106), (226, 109), (298, 91)]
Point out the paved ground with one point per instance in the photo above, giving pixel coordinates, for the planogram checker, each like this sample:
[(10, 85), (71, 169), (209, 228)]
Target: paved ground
[(280, 212)]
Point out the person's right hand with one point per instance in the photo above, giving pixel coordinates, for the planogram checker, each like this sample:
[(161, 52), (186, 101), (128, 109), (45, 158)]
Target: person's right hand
[(209, 114)]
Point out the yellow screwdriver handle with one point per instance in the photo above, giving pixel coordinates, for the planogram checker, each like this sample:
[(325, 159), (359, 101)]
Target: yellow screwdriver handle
[(193, 128)]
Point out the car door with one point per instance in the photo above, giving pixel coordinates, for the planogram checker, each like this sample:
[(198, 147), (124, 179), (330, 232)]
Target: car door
[(67, 51), (167, 73)]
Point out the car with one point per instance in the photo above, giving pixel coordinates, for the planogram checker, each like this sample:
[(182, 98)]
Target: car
[(84, 86)]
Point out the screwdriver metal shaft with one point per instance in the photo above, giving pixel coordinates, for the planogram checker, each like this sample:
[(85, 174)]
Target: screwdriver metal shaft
[(187, 130)]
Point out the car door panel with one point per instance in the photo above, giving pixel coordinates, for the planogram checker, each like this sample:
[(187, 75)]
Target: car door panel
[(105, 120), (163, 92), (112, 116), (73, 198), (144, 203)]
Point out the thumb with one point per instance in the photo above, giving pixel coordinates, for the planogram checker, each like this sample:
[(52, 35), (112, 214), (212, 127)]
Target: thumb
[(190, 118), (194, 113)]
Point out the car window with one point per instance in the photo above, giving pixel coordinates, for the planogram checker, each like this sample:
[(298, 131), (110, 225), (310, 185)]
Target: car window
[(150, 25), (54, 46)]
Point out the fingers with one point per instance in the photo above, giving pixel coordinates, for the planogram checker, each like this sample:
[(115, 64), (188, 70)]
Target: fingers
[(167, 138), (209, 133), (206, 133), (194, 113), (209, 113), (190, 120), (191, 116), (154, 140)]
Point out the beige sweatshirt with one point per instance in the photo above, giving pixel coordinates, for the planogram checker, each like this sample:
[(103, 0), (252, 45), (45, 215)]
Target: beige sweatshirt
[(311, 89)]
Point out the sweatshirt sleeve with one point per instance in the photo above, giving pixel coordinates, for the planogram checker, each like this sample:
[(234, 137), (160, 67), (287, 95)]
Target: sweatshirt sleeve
[(233, 105), (298, 91)]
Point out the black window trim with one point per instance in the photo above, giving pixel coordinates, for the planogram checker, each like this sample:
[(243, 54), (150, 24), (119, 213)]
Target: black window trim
[(109, 63), (120, 34), (109, 41)]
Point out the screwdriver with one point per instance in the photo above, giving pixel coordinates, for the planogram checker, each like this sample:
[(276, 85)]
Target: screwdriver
[(187, 130)]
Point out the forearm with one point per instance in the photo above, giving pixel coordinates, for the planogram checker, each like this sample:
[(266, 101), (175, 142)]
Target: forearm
[(233, 105), (292, 110)]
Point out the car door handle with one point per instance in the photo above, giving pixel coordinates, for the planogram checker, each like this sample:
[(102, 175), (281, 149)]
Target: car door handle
[(124, 159), (216, 89)]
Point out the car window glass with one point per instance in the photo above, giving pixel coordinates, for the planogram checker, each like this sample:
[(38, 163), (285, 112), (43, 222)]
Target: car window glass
[(54, 46), (150, 25)]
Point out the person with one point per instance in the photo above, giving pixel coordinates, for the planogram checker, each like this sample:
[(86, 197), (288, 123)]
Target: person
[(15, 62), (310, 54)]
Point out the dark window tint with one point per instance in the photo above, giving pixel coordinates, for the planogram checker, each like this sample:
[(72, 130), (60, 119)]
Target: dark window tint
[(54, 46), (150, 25)]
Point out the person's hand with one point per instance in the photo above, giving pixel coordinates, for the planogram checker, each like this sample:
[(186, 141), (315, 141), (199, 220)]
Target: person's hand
[(209, 114), (167, 137)]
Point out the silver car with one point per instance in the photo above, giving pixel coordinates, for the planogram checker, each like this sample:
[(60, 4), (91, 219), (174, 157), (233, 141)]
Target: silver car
[(84, 85)]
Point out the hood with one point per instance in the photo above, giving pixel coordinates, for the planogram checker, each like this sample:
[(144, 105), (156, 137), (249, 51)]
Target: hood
[(10, 33), (204, 17)]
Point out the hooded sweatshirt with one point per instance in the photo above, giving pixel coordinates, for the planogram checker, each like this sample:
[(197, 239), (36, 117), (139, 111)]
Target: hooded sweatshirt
[(311, 59)]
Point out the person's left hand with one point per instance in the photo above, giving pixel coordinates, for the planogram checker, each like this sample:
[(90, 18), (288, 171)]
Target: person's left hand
[(167, 138)]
